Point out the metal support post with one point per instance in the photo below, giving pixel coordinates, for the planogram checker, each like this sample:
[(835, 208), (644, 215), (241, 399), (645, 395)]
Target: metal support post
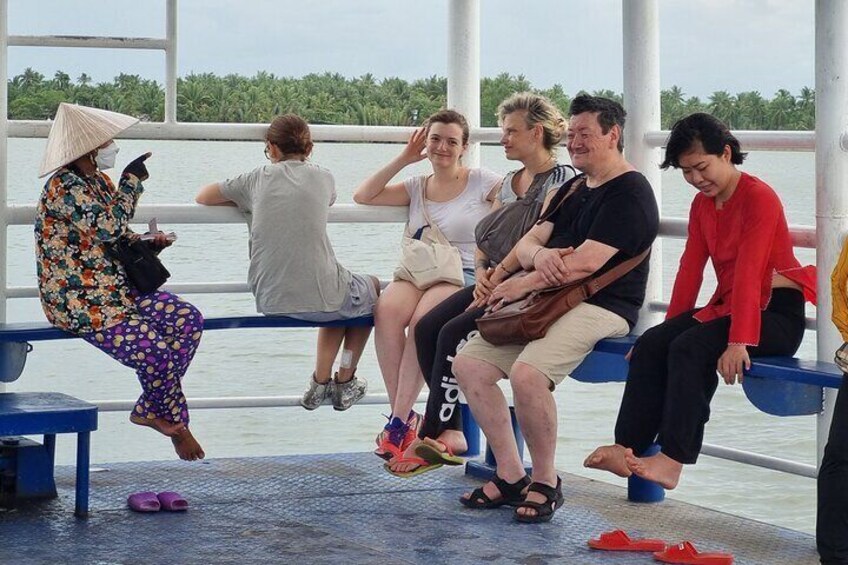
[(642, 102), (464, 67), (171, 63), (831, 175)]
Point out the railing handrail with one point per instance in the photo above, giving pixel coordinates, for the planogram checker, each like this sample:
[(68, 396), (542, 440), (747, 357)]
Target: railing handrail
[(24, 215), (766, 140)]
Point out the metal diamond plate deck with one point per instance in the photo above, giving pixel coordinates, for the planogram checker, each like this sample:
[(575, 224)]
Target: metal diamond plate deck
[(345, 508)]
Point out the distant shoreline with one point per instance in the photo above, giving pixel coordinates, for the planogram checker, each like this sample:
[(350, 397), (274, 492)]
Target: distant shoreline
[(331, 98)]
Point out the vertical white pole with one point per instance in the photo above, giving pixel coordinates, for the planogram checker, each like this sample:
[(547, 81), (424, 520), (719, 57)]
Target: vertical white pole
[(831, 174), (171, 63), (464, 67), (642, 102)]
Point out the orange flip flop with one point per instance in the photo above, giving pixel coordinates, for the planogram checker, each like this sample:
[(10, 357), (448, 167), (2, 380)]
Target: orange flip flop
[(618, 540), (685, 553)]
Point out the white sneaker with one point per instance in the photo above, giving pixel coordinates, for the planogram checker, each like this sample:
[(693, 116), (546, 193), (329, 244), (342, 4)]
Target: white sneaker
[(346, 394), (316, 393)]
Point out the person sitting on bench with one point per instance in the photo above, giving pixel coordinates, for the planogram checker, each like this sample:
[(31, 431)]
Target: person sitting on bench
[(736, 221), (594, 223), (293, 269), (85, 291)]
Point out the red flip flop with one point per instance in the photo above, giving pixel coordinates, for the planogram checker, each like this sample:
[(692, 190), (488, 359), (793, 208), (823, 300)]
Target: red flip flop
[(686, 554), (618, 540)]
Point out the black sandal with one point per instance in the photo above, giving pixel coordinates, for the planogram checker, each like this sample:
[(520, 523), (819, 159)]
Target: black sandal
[(510, 494), (544, 510)]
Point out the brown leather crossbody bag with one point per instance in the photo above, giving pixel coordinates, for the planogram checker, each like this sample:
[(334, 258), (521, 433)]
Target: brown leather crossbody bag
[(528, 319)]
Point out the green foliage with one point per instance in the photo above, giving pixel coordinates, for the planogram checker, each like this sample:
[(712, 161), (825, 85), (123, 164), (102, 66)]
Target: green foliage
[(331, 98)]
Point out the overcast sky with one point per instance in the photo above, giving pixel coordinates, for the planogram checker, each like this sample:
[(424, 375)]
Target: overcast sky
[(705, 45)]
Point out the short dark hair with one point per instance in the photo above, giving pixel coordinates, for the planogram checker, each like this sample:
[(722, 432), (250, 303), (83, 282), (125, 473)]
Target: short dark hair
[(610, 113), (712, 134)]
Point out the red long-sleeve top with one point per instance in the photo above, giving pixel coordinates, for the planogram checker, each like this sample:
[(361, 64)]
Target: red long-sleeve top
[(747, 241)]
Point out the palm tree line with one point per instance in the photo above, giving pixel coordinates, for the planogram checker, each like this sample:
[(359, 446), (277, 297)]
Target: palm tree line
[(331, 98)]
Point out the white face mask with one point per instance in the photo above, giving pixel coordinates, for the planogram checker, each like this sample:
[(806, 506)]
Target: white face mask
[(105, 158)]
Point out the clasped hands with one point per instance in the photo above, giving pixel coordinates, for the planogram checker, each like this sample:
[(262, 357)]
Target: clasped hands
[(549, 270)]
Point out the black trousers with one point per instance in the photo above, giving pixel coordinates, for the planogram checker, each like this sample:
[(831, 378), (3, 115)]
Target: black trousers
[(438, 335), (832, 517), (672, 376)]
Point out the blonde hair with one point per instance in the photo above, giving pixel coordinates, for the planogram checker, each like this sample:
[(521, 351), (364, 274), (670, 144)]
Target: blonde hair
[(540, 110)]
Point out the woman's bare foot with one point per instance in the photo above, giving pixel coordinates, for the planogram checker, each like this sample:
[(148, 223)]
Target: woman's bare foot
[(395, 464), (187, 446), (659, 468), (184, 442), (609, 458), (452, 439)]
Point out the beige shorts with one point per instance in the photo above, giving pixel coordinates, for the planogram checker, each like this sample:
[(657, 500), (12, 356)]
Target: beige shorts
[(568, 341)]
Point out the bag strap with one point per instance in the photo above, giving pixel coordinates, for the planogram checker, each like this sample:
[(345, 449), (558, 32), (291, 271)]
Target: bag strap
[(596, 284), (434, 228), (423, 193), (578, 182)]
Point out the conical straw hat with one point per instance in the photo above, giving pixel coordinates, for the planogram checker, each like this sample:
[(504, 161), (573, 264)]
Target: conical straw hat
[(78, 130)]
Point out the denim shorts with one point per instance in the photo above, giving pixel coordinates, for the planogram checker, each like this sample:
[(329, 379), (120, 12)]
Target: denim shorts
[(360, 301)]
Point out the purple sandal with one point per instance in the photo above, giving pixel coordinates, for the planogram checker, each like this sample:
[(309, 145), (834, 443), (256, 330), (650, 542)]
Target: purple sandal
[(144, 502), (172, 501)]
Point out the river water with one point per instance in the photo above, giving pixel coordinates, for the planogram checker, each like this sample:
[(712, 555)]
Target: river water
[(279, 362)]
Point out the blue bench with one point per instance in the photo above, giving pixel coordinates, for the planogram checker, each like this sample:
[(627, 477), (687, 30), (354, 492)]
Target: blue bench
[(26, 466), (29, 465), (776, 385), (781, 386), (16, 338)]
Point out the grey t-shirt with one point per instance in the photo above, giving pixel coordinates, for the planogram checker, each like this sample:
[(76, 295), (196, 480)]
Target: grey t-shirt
[(292, 265)]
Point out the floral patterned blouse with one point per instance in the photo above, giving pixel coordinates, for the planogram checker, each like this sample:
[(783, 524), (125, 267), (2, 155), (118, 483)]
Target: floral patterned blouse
[(82, 288)]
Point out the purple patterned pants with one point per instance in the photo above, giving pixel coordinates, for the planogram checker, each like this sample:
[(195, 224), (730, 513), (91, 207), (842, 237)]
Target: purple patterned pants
[(159, 342)]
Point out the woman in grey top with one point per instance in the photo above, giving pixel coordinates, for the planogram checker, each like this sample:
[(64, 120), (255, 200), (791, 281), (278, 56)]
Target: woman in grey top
[(293, 270)]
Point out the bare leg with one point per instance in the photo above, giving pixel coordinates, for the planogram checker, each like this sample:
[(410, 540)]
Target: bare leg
[(329, 341), (535, 409), (354, 341), (659, 468), (410, 380), (479, 381), (391, 316), (609, 458), (184, 442)]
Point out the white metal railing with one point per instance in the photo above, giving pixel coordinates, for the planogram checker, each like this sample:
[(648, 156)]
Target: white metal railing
[(641, 85)]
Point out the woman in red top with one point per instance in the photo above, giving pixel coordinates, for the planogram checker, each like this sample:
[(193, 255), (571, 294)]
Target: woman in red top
[(737, 222)]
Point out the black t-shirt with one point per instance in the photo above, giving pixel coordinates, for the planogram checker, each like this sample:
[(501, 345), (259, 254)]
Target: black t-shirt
[(621, 213)]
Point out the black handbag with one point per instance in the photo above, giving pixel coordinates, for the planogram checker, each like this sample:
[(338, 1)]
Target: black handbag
[(144, 270)]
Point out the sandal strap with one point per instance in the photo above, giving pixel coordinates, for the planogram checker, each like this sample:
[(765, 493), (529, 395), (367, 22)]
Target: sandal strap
[(547, 491), (479, 494), (510, 490), (537, 506)]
